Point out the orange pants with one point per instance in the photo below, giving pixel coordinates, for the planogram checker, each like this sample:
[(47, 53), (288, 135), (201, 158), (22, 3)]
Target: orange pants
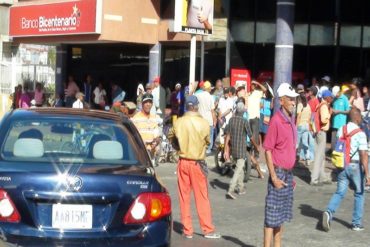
[(190, 177)]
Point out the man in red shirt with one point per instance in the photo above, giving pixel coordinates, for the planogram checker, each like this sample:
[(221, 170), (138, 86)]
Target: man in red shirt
[(313, 101), (280, 145)]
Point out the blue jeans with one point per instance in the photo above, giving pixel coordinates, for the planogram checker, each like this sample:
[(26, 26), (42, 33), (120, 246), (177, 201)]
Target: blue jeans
[(352, 173), (311, 145), (303, 143), (210, 146)]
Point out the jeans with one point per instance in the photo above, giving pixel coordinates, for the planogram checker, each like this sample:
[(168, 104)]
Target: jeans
[(352, 173), (311, 144), (303, 142), (210, 146)]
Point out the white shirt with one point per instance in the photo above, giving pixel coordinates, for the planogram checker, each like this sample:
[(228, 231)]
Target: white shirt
[(78, 104), (225, 105), (206, 105), (99, 95), (254, 104)]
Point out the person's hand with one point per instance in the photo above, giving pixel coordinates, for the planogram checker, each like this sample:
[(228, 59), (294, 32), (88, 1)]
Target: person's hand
[(278, 183), (201, 17), (368, 181)]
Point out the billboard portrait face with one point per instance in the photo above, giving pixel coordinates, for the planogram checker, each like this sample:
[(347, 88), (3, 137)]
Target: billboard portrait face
[(194, 16)]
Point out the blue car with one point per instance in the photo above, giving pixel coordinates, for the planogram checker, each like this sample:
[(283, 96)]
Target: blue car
[(73, 177)]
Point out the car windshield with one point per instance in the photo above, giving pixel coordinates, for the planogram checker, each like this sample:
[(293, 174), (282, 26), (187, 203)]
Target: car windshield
[(66, 141)]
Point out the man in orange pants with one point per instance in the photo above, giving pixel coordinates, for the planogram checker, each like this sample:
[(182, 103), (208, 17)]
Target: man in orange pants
[(190, 135)]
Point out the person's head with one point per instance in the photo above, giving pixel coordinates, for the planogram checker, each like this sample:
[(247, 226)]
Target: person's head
[(70, 78), (100, 85), (207, 86), (191, 103), (148, 87), (31, 133), (80, 96), (253, 85), (355, 115), (38, 86), (356, 82), (336, 91), (218, 84), (177, 87), (240, 106), (147, 103), (365, 90), (327, 95), (156, 81), (300, 88), (88, 78), (325, 80), (287, 97), (232, 91), (312, 91), (226, 92)]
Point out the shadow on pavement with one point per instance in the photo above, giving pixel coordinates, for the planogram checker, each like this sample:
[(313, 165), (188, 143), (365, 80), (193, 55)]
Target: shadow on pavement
[(303, 172), (309, 211), (236, 241), (215, 183), (177, 227)]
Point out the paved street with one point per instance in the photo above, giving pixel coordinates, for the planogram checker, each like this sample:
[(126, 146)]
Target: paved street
[(241, 221)]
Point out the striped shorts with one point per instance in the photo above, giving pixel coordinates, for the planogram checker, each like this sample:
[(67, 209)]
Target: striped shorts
[(279, 202)]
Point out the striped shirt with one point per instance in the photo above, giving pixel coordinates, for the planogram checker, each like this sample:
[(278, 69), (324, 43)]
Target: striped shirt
[(147, 125)]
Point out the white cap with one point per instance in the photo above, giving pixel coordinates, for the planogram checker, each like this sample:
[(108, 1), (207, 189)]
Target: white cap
[(286, 89), (326, 78), (335, 90), (178, 85)]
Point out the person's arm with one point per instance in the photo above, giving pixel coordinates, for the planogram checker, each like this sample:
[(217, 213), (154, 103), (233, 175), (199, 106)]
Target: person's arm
[(227, 148), (364, 159), (275, 180), (263, 88), (324, 114)]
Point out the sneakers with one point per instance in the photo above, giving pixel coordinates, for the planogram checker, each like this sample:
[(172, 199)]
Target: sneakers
[(242, 192), (187, 236), (231, 195), (357, 228), (326, 218), (212, 235)]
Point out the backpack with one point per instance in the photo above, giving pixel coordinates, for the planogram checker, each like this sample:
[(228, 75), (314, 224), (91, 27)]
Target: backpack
[(315, 121), (341, 154)]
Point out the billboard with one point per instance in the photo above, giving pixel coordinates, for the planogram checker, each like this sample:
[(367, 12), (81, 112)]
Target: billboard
[(194, 16), (240, 77), (61, 18)]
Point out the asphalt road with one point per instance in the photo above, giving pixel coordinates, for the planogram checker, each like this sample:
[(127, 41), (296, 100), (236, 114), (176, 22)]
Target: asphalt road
[(240, 221)]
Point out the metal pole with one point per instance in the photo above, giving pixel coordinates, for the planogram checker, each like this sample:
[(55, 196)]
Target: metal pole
[(202, 59), (284, 44), (193, 49)]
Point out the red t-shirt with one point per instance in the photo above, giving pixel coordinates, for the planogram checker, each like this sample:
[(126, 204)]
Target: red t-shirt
[(281, 140), (313, 103)]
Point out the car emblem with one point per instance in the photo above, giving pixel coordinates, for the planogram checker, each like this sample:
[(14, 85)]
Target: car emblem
[(74, 183)]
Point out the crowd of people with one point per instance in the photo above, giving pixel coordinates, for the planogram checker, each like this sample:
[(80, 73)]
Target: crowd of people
[(245, 122)]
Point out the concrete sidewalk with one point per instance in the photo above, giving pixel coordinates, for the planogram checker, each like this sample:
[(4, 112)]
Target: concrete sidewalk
[(241, 221)]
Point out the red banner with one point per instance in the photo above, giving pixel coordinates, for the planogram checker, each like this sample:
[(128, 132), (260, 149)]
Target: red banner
[(63, 18), (241, 77)]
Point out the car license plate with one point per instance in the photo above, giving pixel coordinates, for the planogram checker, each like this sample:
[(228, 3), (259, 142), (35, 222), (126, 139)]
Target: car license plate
[(72, 216)]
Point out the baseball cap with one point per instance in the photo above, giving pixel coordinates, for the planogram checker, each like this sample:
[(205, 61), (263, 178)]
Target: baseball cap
[(313, 89), (79, 94), (285, 89), (207, 85), (326, 78), (300, 88), (191, 100), (178, 85), (201, 84), (327, 93), (345, 88), (335, 90), (146, 97)]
